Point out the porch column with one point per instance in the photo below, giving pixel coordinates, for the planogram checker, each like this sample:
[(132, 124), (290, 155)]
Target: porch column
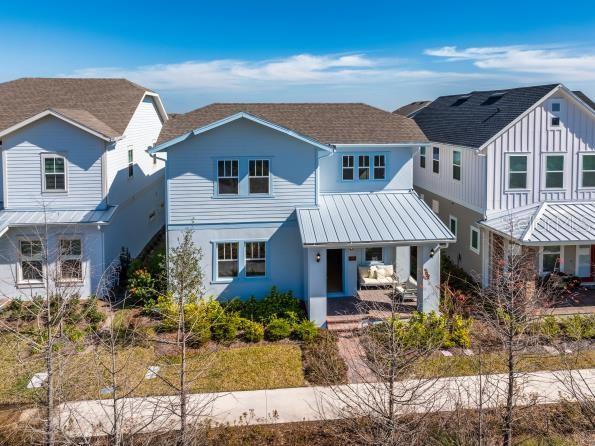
[(403, 262), (428, 278), (315, 285)]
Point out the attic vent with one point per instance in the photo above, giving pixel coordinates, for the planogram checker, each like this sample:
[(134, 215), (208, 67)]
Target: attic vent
[(461, 100), (493, 98)]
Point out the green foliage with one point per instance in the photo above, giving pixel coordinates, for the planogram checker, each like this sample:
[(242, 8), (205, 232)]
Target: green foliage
[(275, 305), (578, 327), (147, 279), (460, 331), (225, 327), (92, 314), (549, 328), (278, 329), (73, 333), (167, 310), (251, 331), (141, 286), (305, 330)]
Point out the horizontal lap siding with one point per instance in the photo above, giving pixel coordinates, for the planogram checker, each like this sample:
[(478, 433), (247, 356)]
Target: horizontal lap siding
[(532, 136), (22, 156), (191, 175)]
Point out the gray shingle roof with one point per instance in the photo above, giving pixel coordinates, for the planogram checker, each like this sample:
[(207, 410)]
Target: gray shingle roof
[(586, 99), (470, 119), (382, 217), (411, 109), (327, 123), (103, 105)]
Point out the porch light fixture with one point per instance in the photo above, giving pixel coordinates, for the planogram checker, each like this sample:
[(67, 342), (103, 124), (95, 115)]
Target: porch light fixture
[(317, 257), (432, 253)]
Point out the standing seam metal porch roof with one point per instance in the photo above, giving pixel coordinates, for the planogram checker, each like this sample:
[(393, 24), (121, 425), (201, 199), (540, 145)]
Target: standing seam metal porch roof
[(382, 217)]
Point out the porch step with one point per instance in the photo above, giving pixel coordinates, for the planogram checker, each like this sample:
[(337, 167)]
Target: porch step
[(345, 322)]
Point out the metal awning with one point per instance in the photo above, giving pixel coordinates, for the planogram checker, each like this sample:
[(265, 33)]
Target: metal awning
[(371, 218), (14, 218), (547, 223)]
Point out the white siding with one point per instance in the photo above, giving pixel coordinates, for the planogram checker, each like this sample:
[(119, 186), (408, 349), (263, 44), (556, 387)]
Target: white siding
[(191, 175), (469, 191), (22, 158), (533, 136)]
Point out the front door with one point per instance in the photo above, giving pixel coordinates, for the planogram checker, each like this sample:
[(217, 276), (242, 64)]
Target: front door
[(584, 261), (334, 271)]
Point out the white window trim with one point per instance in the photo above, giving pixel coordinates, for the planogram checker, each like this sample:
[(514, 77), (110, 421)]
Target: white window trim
[(44, 156), (423, 154), (245, 260), (560, 265), (473, 229), (456, 220), (79, 257), (545, 172), (527, 173), (374, 167), (552, 114), (217, 161), (356, 166), (268, 177), (216, 277), (460, 165), (434, 159), (581, 171), (576, 260), (241, 260), (352, 156), (20, 279), (130, 163)]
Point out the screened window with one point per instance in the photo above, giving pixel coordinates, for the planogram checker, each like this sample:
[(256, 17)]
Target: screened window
[(422, 157), (364, 167), (31, 260), (517, 172), (456, 165), (258, 176), (474, 240), (227, 177), (453, 224), (554, 171), (550, 259), (374, 254), (130, 163), (54, 173), (71, 259), (227, 260), (436, 160), (379, 167), (588, 171), (348, 167), (255, 259)]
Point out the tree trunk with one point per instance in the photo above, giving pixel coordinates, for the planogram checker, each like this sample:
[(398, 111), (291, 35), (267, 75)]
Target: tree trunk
[(49, 409), (182, 440), (507, 434)]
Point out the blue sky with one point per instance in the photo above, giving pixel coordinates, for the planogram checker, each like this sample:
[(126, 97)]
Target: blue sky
[(382, 53)]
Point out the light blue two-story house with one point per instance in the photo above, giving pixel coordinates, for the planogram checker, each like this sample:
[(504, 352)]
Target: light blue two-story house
[(302, 197), (77, 182)]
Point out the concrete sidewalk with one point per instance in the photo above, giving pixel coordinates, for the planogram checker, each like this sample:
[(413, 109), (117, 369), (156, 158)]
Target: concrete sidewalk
[(94, 417)]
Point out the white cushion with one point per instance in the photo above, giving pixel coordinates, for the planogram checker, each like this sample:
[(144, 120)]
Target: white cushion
[(364, 271), (380, 273)]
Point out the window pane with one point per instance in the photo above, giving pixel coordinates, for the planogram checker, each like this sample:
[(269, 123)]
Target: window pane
[(422, 162), (436, 166), (348, 161), (71, 269), (379, 173), (364, 167), (49, 165), (31, 270), (555, 106), (374, 254), (59, 165), (474, 239), (588, 162), (517, 180), (348, 173), (379, 161), (453, 226), (255, 268), (228, 186), (456, 157), (554, 179), (364, 173), (60, 182), (70, 247), (555, 163), (456, 172), (227, 268), (227, 259), (588, 179), (550, 262), (436, 153), (556, 121), (259, 185), (220, 168), (552, 248), (518, 163)]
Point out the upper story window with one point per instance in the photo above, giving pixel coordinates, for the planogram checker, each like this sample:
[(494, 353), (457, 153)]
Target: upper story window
[(227, 260), (31, 260), (71, 259), (130, 162), (255, 259), (555, 110), (422, 157), (227, 177), (364, 167), (54, 173), (347, 169), (554, 171), (588, 171), (258, 176), (456, 165), (517, 172), (436, 160), (379, 167)]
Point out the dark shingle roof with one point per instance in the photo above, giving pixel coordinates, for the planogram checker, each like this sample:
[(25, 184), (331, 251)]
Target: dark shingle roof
[(586, 99), (411, 109), (103, 105), (471, 119), (323, 122)]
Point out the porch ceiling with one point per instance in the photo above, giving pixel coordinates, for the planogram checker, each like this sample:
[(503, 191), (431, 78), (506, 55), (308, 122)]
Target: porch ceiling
[(365, 218), (551, 223)]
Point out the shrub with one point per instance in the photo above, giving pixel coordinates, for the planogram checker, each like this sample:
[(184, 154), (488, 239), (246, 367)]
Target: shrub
[(251, 331), (278, 329), (141, 287), (425, 331), (460, 331), (578, 327), (305, 330), (323, 365), (73, 333), (275, 305), (167, 310), (225, 328), (549, 327)]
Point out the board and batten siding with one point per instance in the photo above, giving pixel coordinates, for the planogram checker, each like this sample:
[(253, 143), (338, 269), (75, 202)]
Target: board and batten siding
[(22, 151), (469, 191), (191, 175), (533, 136)]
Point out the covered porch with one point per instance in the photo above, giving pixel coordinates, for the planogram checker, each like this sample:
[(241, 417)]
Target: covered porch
[(358, 248)]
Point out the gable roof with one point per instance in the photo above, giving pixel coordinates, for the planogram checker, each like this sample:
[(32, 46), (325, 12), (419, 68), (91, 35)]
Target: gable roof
[(472, 119), (586, 99), (104, 106), (411, 109), (325, 123)]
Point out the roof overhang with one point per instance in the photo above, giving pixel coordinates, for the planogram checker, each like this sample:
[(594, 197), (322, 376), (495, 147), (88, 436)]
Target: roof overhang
[(241, 115), (160, 107), (394, 145)]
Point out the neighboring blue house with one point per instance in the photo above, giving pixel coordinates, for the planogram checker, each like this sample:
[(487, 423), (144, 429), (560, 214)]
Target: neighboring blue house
[(305, 197), (77, 182)]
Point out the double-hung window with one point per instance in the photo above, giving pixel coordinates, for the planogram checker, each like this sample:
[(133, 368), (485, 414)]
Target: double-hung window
[(456, 165), (436, 160), (363, 167), (554, 171), (453, 224), (130, 162), (255, 259), (227, 177), (588, 171), (550, 259), (474, 239), (54, 173), (258, 176), (347, 167), (422, 157), (379, 167), (71, 259), (517, 172), (31, 260), (227, 260)]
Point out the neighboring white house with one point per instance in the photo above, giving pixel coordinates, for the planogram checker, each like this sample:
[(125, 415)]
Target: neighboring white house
[(299, 196), (77, 181), (517, 165)]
